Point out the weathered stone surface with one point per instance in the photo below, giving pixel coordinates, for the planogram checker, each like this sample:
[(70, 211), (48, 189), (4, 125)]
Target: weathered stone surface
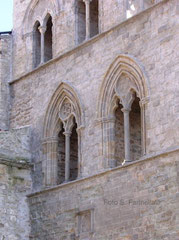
[(135, 202), (16, 143), (5, 77), (15, 184), (78, 93)]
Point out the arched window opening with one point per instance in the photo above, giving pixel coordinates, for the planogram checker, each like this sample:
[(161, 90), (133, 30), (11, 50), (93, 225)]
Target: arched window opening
[(36, 45), (87, 14), (67, 168), (122, 107), (81, 14), (61, 157), (48, 40), (74, 154), (94, 29), (135, 130), (63, 126), (119, 136)]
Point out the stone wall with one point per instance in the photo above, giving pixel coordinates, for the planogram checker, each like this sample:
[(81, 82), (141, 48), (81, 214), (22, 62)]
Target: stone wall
[(65, 25), (15, 184), (151, 41), (139, 201), (16, 143), (5, 77)]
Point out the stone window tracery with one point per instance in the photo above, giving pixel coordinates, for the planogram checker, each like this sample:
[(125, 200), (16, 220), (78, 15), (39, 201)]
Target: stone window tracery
[(67, 117), (122, 107), (62, 137)]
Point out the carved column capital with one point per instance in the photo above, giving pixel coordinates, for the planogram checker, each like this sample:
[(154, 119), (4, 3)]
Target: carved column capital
[(67, 134), (42, 29), (126, 110), (87, 1)]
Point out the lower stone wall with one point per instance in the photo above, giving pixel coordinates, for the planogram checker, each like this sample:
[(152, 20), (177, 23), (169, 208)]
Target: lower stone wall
[(15, 184), (135, 202)]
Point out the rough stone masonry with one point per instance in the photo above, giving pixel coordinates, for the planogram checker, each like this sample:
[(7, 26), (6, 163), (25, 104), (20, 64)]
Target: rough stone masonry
[(89, 121)]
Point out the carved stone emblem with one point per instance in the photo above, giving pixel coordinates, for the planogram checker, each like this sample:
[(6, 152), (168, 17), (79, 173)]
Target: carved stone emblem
[(66, 109)]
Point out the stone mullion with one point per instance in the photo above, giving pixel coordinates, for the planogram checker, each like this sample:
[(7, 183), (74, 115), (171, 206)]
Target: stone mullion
[(87, 5), (67, 155), (127, 134), (141, 5), (42, 32)]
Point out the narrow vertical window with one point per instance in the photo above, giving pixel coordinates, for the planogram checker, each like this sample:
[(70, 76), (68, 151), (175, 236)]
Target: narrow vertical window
[(61, 157), (74, 154), (94, 29), (67, 167), (36, 45), (48, 40), (135, 130), (119, 136), (81, 15)]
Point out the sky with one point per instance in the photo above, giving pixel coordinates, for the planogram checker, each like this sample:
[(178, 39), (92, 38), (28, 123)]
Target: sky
[(6, 7)]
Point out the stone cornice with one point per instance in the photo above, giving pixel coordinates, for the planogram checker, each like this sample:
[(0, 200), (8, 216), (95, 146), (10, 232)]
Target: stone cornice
[(142, 160), (87, 43)]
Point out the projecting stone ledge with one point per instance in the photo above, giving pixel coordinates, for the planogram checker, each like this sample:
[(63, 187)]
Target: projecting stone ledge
[(19, 162)]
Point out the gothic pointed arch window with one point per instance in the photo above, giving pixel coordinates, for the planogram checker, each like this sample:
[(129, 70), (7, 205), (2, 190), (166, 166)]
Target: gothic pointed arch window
[(121, 110), (62, 137), (36, 44)]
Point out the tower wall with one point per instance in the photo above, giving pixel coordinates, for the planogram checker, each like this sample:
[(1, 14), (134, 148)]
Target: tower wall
[(5, 77)]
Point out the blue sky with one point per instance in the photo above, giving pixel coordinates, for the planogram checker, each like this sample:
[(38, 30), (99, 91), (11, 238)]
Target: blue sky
[(6, 7)]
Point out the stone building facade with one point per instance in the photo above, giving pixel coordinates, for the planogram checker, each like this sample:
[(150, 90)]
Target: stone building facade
[(89, 120)]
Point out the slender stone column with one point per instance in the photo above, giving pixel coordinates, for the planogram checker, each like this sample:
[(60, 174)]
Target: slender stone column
[(42, 32), (141, 5), (67, 155), (87, 4), (126, 134)]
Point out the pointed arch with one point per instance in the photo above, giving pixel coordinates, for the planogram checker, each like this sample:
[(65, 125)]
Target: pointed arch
[(124, 80), (51, 121), (122, 65), (28, 17), (64, 110)]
